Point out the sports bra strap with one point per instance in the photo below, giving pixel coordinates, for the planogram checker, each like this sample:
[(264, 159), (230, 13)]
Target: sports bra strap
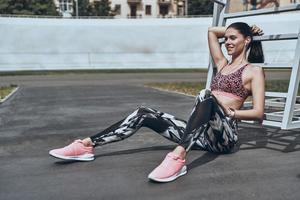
[(241, 68), (223, 67)]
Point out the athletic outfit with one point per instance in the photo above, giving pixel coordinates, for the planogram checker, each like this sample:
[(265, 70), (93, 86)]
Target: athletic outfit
[(208, 128), (218, 133), (178, 130)]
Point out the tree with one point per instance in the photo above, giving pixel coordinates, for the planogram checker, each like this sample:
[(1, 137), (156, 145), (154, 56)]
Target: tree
[(42, 7), (97, 8), (84, 8), (102, 8), (200, 7), (28, 7)]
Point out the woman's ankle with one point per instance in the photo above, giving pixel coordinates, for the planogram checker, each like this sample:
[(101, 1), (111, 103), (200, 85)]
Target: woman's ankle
[(180, 151), (87, 142)]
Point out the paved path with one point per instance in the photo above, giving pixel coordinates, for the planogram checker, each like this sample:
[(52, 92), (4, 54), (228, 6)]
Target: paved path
[(51, 111)]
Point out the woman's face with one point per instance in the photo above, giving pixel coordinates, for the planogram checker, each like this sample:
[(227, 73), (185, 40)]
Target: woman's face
[(235, 42)]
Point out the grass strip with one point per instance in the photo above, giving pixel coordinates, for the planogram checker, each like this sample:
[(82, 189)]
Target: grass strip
[(101, 71), (192, 88), (6, 90)]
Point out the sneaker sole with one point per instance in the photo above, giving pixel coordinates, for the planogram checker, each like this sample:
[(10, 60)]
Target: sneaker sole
[(182, 172), (85, 157)]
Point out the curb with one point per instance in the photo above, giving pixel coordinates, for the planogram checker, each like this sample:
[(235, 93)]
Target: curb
[(10, 95)]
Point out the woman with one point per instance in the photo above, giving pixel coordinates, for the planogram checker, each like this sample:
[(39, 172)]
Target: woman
[(212, 124)]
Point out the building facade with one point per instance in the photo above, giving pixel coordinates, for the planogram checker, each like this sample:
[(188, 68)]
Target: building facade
[(244, 5), (132, 8), (65, 7), (156, 8), (148, 8)]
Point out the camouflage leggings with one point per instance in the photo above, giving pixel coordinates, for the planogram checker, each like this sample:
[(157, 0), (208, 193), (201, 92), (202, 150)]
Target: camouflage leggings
[(207, 128)]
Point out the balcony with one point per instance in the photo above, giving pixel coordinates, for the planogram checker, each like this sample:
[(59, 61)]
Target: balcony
[(134, 1), (164, 2)]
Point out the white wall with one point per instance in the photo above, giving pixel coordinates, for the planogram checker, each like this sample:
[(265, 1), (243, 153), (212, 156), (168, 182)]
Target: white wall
[(37, 44), (102, 43)]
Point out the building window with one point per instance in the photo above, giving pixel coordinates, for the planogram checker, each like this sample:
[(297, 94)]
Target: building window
[(148, 9), (163, 10), (66, 6), (118, 9), (133, 9)]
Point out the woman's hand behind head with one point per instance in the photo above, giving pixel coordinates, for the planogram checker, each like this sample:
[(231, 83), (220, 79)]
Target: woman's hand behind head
[(256, 31)]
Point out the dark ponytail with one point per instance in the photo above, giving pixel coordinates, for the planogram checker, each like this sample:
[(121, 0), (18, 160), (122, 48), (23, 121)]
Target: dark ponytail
[(256, 54)]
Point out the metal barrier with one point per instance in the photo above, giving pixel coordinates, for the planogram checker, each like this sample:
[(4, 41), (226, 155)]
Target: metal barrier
[(288, 103)]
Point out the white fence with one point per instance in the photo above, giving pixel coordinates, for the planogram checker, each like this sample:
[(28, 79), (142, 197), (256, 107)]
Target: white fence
[(44, 44)]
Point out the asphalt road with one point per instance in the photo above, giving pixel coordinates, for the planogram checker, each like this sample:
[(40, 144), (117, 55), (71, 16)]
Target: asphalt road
[(51, 111)]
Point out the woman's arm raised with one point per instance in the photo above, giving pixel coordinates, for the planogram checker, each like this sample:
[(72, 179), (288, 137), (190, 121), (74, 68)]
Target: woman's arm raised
[(214, 47)]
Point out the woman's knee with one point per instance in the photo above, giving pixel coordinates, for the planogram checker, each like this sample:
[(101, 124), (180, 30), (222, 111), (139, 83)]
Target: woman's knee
[(145, 110), (203, 94)]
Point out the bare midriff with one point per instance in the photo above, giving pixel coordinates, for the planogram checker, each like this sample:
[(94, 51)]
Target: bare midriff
[(227, 100)]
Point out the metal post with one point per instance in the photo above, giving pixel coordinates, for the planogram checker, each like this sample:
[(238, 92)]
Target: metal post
[(218, 10), (186, 7), (293, 88), (76, 8), (221, 2)]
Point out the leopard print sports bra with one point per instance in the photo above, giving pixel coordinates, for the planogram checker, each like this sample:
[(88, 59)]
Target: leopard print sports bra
[(231, 84)]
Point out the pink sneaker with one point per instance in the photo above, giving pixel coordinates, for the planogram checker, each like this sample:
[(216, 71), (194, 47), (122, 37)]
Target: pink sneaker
[(170, 169), (74, 151)]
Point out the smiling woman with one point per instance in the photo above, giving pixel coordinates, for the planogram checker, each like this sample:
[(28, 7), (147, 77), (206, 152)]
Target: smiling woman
[(212, 125)]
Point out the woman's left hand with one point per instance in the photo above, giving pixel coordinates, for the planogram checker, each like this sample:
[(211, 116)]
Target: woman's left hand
[(256, 30), (231, 113)]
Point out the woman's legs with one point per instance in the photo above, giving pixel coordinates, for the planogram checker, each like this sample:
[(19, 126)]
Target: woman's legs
[(199, 131), (215, 132), (207, 129), (164, 124), (170, 127), (220, 134), (201, 114), (199, 117), (173, 166)]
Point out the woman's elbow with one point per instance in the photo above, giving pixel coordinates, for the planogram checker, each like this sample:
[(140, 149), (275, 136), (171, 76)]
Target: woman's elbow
[(213, 29), (260, 116)]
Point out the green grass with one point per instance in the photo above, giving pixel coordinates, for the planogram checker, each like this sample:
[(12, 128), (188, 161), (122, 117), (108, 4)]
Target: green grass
[(192, 88), (278, 85), (101, 71), (6, 90)]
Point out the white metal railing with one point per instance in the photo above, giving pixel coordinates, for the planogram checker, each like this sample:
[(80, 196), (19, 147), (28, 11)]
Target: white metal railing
[(288, 8)]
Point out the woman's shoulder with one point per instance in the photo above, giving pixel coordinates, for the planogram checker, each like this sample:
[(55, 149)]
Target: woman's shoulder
[(220, 66), (252, 69)]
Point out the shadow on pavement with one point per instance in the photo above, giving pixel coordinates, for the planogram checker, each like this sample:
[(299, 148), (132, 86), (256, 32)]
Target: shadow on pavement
[(270, 138), (250, 138), (202, 160)]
